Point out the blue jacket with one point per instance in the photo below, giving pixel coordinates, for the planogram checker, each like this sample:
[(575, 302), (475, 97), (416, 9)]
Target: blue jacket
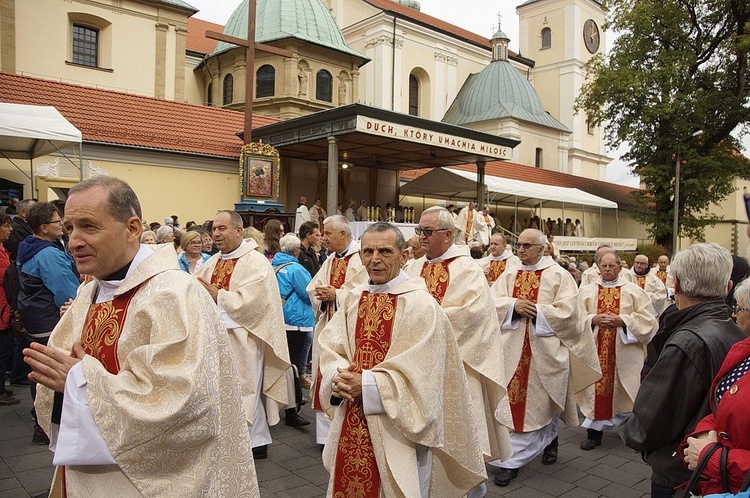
[(46, 281), (185, 264), (293, 279)]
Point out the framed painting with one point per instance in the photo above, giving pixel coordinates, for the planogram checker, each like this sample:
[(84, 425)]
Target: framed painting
[(259, 170)]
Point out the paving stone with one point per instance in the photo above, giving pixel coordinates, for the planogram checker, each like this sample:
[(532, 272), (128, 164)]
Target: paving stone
[(569, 474), (615, 490), (37, 480), (591, 483), (580, 493), (548, 484), (615, 475), (286, 483), (10, 483)]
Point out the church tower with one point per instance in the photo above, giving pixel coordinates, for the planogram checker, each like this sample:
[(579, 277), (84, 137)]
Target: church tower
[(560, 36)]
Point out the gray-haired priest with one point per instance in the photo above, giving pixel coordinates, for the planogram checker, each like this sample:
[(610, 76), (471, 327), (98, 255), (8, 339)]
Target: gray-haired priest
[(390, 355)]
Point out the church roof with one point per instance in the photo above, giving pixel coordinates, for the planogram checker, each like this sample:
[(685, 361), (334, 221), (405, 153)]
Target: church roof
[(174, 3), (529, 2), (196, 40), (499, 91), (412, 4), (123, 119), (307, 20)]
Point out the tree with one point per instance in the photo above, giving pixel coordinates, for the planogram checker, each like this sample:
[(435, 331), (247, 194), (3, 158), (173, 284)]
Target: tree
[(676, 67)]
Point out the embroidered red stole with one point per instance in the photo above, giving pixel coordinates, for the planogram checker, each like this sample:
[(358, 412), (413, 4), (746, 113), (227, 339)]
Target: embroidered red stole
[(469, 223), (223, 273), (641, 281), (356, 471), (102, 329), (607, 301), (526, 286), (336, 280), (437, 277), (662, 274), (496, 269)]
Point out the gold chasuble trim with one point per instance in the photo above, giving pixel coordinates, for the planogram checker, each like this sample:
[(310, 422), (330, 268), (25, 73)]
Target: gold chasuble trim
[(437, 277), (102, 329), (526, 286), (662, 276), (356, 471), (641, 281), (336, 280), (223, 273), (496, 269), (608, 301)]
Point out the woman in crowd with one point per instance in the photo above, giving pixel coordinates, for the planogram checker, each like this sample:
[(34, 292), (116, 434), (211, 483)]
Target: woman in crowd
[(6, 340), (148, 237), (252, 233), (192, 257), (208, 243), (164, 234), (728, 423), (272, 232)]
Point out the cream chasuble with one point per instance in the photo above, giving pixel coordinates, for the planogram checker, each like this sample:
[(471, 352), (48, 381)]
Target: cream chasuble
[(253, 301), (457, 282), (555, 358), (655, 289), (494, 266), (465, 224), (621, 351), (167, 403), (406, 340), (482, 227)]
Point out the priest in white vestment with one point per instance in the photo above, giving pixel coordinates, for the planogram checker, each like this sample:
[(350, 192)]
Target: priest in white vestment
[(465, 223), (483, 225), (621, 317), (654, 287), (500, 259), (548, 358), (591, 275), (137, 390), (341, 272), (242, 283), (390, 355), (302, 215), (458, 284), (661, 271)]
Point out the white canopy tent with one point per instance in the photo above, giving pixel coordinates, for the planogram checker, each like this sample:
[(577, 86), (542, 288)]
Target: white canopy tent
[(28, 131), (458, 184)]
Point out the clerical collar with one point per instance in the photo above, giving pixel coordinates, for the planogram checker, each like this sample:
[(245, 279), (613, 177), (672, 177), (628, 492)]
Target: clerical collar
[(613, 283), (343, 253), (445, 256), (535, 266), (107, 287), (505, 255), (233, 254), (388, 286), (637, 275)]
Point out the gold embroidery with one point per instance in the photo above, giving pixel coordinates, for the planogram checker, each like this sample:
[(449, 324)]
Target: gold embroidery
[(436, 276)]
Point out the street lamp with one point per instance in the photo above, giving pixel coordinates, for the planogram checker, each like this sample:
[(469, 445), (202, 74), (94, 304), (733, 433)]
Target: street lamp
[(676, 224)]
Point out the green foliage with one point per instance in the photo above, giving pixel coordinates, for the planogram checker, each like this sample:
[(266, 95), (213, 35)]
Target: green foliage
[(652, 251), (677, 66)]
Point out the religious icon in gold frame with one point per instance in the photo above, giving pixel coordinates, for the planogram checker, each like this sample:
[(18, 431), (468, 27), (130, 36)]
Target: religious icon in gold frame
[(259, 171)]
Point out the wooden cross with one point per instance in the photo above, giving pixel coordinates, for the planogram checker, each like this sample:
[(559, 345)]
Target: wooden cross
[(250, 47)]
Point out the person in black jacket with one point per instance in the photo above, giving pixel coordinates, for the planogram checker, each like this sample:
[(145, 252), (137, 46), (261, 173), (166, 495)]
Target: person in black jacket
[(309, 235), (673, 396), (20, 228)]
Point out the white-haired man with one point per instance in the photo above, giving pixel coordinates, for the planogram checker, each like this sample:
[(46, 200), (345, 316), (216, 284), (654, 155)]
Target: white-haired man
[(661, 271), (548, 358), (303, 214), (242, 284), (465, 223), (458, 284), (390, 354), (592, 274), (483, 225), (649, 282), (341, 272), (621, 318), (673, 396), (500, 259)]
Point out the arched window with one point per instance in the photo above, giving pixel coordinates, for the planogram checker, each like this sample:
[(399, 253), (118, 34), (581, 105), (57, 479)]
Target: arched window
[(228, 95), (539, 160), (413, 95), (265, 81), (210, 95), (324, 86), (546, 38)]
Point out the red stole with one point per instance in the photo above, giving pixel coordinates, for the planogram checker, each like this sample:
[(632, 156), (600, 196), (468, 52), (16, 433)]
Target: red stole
[(356, 471), (641, 281), (469, 222), (437, 277), (102, 329), (607, 301), (336, 280), (496, 269), (223, 273), (662, 274), (526, 286)]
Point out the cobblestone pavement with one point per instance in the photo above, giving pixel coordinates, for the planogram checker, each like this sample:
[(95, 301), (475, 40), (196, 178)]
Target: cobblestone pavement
[(294, 469)]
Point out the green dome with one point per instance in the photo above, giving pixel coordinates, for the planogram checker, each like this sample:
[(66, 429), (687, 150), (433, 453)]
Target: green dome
[(499, 91), (500, 35), (307, 20), (413, 4)]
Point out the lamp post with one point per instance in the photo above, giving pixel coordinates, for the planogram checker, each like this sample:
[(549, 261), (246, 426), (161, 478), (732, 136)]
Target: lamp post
[(676, 224)]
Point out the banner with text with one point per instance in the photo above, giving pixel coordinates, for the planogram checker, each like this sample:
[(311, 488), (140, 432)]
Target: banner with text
[(591, 243), (422, 136)]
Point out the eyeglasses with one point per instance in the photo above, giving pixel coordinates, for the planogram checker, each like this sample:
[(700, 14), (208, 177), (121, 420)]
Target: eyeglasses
[(428, 231), (736, 309), (195, 243), (58, 221), (526, 246)]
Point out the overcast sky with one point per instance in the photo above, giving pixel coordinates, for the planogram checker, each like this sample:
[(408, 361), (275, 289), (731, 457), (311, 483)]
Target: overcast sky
[(478, 16)]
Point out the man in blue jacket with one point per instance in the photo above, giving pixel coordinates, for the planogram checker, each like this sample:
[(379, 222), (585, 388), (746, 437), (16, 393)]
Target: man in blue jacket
[(299, 319), (46, 282)]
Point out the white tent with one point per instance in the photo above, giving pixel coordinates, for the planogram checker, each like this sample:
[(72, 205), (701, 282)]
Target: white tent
[(28, 131), (458, 184)]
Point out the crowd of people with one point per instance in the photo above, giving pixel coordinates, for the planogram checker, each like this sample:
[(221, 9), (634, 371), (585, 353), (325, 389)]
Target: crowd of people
[(428, 361)]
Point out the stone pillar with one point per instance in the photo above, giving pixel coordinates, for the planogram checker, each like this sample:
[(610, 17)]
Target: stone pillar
[(333, 167), (160, 74), (179, 77), (480, 185), (8, 36)]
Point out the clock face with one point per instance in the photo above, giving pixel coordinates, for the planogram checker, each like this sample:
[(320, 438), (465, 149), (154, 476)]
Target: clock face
[(591, 36)]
